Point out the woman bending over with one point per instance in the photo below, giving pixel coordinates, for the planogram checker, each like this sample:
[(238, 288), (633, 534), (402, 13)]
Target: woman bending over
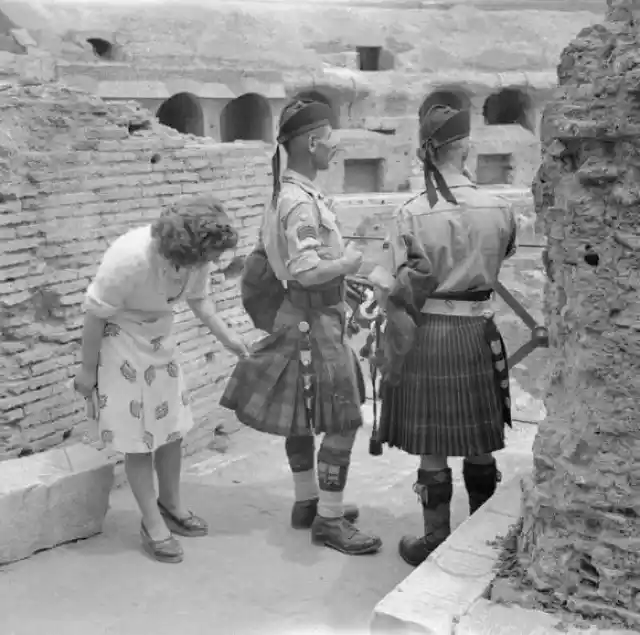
[(131, 364)]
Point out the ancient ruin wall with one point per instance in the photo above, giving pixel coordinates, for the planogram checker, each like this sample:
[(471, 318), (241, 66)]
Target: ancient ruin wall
[(76, 173), (580, 539)]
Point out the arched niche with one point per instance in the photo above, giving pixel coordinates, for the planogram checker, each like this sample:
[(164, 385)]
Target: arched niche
[(507, 107), (247, 118), (102, 48), (183, 113), (452, 97), (375, 58), (316, 95)]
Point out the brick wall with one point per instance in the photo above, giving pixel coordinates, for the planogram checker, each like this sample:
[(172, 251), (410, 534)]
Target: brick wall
[(76, 174)]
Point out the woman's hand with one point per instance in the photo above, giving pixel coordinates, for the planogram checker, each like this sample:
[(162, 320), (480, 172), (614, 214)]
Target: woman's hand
[(85, 382), (236, 345)]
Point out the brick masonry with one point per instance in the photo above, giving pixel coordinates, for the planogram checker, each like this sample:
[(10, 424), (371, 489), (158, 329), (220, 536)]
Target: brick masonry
[(78, 172)]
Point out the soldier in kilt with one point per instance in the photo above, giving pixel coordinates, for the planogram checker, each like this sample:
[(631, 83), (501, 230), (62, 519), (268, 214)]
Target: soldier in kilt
[(297, 275), (450, 396)]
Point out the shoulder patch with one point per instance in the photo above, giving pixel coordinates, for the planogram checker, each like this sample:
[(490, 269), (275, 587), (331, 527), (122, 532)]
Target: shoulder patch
[(304, 215)]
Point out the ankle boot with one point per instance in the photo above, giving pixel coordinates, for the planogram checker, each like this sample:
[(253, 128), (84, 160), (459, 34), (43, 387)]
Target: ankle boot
[(434, 490), (481, 482), (344, 536)]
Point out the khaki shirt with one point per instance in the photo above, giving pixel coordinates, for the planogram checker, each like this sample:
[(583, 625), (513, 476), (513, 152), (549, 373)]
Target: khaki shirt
[(466, 244), (302, 230)]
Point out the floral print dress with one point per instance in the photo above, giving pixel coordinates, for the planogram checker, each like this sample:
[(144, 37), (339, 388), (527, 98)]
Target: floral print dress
[(142, 397)]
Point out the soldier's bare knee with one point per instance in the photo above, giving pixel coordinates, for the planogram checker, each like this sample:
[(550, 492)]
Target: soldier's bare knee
[(300, 452), (335, 449)]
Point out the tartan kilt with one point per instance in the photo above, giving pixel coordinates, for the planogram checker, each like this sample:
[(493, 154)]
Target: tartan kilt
[(265, 390), (449, 401)]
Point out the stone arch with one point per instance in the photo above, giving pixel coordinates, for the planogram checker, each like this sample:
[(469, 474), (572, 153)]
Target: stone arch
[(102, 48), (183, 113), (317, 95), (507, 107), (247, 118), (375, 58), (447, 96)]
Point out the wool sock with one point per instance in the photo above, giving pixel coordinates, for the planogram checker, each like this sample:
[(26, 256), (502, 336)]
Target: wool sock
[(331, 504)]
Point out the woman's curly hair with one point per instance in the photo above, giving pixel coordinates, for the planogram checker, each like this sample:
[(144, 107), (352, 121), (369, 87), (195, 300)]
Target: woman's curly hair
[(191, 232)]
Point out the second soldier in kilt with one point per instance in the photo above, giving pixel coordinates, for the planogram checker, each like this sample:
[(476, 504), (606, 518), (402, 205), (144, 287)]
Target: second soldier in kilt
[(448, 393)]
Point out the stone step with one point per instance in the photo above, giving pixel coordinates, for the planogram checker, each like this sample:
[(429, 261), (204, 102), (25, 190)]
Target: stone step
[(51, 498)]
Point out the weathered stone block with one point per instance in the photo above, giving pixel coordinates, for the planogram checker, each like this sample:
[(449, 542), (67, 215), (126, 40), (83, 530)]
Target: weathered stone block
[(579, 540), (440, 623), (486, 618), (51, 498)]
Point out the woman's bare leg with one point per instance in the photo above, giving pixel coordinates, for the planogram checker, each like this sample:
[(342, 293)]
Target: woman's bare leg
[(168, 468), (139, 470)]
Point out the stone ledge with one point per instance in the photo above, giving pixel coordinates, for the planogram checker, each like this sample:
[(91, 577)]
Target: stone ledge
[(433, 598), (51, 498)]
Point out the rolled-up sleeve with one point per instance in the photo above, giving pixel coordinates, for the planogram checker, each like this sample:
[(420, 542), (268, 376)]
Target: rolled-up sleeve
[(115, 281), (200, 284), (302, 233)]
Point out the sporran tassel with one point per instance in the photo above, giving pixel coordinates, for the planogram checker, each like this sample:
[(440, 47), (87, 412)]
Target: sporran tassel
[(375, 446), (307, 373), (276, 161)]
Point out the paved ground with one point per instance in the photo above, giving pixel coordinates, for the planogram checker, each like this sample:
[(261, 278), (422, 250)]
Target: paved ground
[(253, 574)]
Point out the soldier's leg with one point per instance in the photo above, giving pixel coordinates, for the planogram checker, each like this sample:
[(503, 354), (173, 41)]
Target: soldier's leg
[(301, 455), (434, 487), (332, 527), (481, 478)]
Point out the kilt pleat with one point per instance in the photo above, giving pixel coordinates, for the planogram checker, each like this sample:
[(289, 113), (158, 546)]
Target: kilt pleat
[(449, 400), (263, 388), (266, 389)]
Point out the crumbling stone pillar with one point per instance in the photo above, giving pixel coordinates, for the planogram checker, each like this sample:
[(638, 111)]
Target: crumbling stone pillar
[(581, 528)]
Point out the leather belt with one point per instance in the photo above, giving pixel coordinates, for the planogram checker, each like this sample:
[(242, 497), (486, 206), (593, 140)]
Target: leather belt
[(302, 298), (464, 296), (459, 308), (462, 303)]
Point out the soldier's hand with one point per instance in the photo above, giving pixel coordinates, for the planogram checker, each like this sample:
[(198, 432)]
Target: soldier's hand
[(352, 258)]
